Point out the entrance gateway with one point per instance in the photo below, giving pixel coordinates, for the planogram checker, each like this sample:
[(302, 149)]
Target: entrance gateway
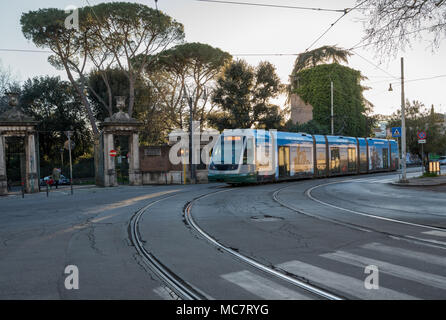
[(119, 130), (14, 123)]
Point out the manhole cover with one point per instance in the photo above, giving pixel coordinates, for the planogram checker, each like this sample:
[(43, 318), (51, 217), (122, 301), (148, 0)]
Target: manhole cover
[(266, 218)]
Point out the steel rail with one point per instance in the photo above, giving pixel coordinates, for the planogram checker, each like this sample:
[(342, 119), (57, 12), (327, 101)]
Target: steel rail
[(308, 287), (181, 288)]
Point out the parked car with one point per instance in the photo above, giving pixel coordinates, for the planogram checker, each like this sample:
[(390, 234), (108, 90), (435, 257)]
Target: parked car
[(49, 180), (442, 160)]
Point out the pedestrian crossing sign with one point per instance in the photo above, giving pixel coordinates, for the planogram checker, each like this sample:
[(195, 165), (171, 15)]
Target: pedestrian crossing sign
[(396, 132)]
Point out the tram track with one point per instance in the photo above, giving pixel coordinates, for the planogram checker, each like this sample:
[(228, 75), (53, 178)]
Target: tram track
[(180, 287), (359, 227), (187, 291), (289, 278)]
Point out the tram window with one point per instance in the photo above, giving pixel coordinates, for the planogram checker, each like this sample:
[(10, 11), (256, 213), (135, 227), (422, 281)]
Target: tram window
[(303, 160), (335, 160), (248, 152), (363, 159), (263, 159), (321, 159), (351, 159)]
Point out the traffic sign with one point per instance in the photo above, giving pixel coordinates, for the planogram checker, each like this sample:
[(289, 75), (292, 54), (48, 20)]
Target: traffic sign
[(396, 132), (422, 141), (67, 146), (113, 153), (421, 135)]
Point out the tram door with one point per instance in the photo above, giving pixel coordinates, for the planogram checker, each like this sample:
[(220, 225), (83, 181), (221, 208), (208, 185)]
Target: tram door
[(385, 159), (284, 162)]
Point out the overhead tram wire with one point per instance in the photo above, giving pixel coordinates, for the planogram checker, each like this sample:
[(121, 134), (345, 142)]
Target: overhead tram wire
[(345, 12), (25, 50), (373, 64), (272, 5)]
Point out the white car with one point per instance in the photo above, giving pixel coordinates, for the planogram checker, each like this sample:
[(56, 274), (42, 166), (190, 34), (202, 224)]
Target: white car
[(443, 160)]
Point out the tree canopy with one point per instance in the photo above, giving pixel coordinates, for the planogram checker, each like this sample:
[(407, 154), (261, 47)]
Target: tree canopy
[(192, 67), (243, 96), (420, 118), (57, 108), (350, 108), (110, 35), (391, 25)]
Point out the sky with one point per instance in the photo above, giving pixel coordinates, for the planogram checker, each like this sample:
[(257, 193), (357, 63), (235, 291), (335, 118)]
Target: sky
[(244, 30)]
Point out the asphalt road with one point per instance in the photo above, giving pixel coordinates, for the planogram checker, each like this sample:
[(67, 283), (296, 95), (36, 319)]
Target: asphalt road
[(323, 233)]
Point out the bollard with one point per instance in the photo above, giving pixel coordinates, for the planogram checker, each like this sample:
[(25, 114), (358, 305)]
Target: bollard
[(23, 191), (47, 191)]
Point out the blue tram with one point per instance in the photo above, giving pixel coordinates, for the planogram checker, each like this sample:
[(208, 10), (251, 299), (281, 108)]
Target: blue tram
[(248, 156)]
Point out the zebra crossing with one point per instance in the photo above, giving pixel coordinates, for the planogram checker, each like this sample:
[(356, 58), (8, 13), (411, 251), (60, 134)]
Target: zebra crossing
[(351, 286)]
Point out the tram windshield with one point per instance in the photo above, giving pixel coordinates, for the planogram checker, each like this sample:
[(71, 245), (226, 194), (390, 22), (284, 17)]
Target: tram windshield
[(228, 150)]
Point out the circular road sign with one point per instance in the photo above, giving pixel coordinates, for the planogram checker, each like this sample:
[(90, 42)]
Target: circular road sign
[(113, 153), (67, 146), (421, 135)]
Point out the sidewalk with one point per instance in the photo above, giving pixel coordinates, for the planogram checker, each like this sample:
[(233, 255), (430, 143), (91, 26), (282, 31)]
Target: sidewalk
[(423, 182)]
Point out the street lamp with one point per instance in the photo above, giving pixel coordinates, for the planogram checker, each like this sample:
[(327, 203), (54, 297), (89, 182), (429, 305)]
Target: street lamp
[(190, 101), (403, 125)]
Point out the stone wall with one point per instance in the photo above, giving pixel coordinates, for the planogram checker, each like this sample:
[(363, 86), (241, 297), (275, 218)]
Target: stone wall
[(156, 167), (301, 112), (171, 177)]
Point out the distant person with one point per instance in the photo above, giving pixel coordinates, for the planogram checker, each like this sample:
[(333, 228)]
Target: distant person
[(56, 176)]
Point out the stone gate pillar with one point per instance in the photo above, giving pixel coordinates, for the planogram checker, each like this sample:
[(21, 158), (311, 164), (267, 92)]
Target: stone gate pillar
[(14, 123), (110, 178), (135, 176), (31, 179), (121, 124)]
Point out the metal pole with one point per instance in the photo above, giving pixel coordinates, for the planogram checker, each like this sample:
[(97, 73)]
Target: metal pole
[(184, 166), (332, 113), (403, 123), (192, 166), (71, 167), (422, 158)]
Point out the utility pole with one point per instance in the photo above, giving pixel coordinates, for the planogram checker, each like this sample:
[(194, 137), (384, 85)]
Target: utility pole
[(191, 144), (332, 113), (68, 133), (191, 115), (403, 124)]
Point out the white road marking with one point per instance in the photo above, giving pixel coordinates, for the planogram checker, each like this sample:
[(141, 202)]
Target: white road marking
[(436, 233), (389, 268), (340, 282), (400, 252), (262, 287), (309, 195), (428, 240)]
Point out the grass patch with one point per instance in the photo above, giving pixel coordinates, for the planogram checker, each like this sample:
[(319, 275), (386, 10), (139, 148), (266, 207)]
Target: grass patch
[(429, 175)]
